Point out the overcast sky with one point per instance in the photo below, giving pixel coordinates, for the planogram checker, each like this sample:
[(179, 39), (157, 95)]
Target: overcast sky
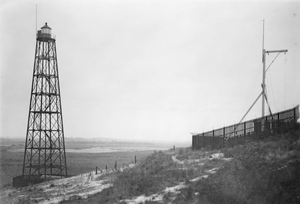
[(151, 70)]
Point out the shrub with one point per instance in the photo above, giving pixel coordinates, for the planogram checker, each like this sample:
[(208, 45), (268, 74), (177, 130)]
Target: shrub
[(75, 197), (145, 178), (253, 177)]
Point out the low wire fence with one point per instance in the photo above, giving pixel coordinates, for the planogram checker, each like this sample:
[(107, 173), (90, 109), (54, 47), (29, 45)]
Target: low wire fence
[(249, 130), (116, 168)]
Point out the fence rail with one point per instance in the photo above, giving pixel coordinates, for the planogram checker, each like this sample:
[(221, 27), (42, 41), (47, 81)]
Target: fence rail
[(246, 131)]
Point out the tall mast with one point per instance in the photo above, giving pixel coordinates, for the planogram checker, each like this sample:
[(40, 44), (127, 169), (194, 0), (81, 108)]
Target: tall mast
[(263, 85)]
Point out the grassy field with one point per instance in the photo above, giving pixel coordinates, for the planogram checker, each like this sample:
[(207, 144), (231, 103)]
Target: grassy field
[(77, 163), (266, 171), (263, 171)]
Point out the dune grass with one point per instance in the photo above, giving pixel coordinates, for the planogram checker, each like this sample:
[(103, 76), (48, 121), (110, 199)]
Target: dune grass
[(261, 172), (266, 171), (11, 163)]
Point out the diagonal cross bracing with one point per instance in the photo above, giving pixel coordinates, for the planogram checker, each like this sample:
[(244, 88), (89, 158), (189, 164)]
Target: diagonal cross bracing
[(44, 153)]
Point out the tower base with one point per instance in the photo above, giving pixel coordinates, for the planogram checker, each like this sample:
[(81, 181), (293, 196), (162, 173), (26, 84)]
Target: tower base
[(22, 181)]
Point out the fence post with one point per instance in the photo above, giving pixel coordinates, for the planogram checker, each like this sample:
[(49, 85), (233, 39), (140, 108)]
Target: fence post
[(234, 136), (266, 127), (203, 140), (279, 126), (245, 132), (213, 139), (135, 159), (223, 136), (116, 165), (97, 168), (106, 168), (193, 142), (295, 119)]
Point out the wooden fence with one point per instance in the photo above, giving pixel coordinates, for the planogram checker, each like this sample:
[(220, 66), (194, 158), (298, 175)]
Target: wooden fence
[(250, 130), (115, 167)]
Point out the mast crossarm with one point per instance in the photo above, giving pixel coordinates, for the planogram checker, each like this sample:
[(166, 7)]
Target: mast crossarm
[(274, 51)]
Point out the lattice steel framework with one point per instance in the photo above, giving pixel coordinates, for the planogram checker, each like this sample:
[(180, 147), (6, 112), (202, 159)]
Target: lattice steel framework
[(45, 154)]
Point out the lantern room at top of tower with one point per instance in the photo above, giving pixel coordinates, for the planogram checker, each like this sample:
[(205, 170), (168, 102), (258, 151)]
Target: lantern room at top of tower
[(46, 29), (45, 33)]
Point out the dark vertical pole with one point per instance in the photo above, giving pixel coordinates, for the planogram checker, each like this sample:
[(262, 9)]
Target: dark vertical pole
[(278, 123), (223, 136), (245, 132), (203, 140), (135, 159), (265, 126), (295, 117), (193, 137), (234, 136), (195, 142), (213, 139)]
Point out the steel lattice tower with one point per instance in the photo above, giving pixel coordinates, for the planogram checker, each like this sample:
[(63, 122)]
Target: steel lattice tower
[(45, 154)]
